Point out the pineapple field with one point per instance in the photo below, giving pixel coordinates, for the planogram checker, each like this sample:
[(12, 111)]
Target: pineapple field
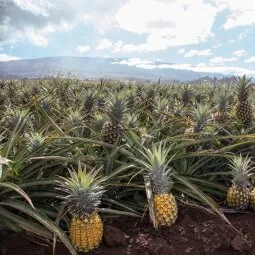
[(126, 168)]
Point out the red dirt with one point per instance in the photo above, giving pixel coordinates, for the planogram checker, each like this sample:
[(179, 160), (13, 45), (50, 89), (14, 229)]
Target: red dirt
[(195, 232)]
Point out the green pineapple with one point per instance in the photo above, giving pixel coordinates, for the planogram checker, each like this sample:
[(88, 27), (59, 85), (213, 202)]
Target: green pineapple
[(112, 129), (157, 166), (243, 108), (82, 196), (239, 193)]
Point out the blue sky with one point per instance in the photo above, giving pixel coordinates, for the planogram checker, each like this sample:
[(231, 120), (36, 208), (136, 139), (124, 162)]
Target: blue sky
[(200, 35)]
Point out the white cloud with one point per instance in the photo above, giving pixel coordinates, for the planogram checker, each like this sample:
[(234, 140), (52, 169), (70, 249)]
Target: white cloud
[(201, 67), (153, 43), (164, 24), (239, 53), (250, 60), (35, 37), (217, 45), (193, 53), (104, 44), (46, 17), (35, 7), (83, 48), (222, 60), (134, 62), (181, 51), (244, 34), (242, 12), (86, 18), (229, 70), (5, 57)]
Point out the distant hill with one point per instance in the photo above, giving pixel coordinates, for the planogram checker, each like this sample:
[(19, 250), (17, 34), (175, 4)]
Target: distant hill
[(85, 67)]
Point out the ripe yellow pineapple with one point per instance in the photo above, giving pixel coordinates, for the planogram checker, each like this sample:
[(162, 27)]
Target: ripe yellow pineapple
[(82, 197), (156, 164), (243, 108), (239, 193)]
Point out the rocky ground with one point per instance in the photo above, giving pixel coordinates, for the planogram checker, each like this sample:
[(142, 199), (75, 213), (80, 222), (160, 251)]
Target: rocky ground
[(195, 232)]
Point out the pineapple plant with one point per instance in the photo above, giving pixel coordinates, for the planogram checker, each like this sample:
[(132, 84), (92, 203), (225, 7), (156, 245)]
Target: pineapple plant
[(221, 116), (239, 193), (35, 141), (243, 108), (157, 167), (252, 198), (201, 117), (112, 129), (82, 196), (132, 121), (186, 95), (160, 108), (89, 103), (98, 122)]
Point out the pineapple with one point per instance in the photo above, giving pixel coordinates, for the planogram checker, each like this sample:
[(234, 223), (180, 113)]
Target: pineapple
[(186, 95), (82, 197), (112, 129), (89, 103), (243, 108), (201, 117), (239, 193), (221, 116), (156, 164), (252, 198)]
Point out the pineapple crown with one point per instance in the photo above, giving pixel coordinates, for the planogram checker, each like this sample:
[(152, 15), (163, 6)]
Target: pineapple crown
[(83, 191), (89, 101), (240, 170), (17, 118), (117, 108), (131, 120), (75, 117), (243, 84), (98, 122), (35, 141), (186, 94), (223, 102), (157, 166), (161, 104), (201, 116)]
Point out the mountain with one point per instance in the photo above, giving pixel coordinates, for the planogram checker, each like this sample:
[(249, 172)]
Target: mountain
[(94, 68)]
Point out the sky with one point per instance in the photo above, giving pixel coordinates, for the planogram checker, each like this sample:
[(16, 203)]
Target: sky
[(200, 35)]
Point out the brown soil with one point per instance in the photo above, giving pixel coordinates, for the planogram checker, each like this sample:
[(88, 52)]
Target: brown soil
[(195, 232)]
